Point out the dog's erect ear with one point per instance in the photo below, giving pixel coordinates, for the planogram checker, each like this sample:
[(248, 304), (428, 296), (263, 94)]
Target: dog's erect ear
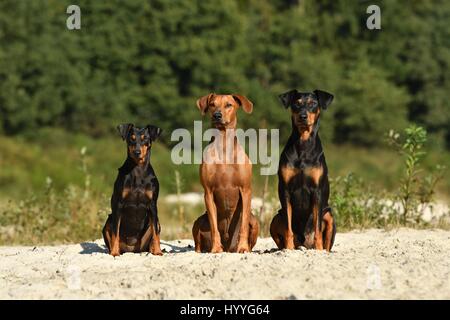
[(324, 98), (154, 132), (203, 103), (246, 104), (287, 98), (124, 129)]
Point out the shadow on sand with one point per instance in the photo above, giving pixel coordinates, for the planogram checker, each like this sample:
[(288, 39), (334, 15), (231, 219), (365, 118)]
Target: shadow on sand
[(92, 247), (176, 249)]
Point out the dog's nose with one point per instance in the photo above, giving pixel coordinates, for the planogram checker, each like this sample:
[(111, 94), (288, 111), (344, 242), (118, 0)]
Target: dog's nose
[(137, 152), (217, 115), (303, 116)]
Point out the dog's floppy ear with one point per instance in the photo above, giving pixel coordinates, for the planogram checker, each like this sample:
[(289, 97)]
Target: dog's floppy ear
[(287, 98), (324, 98), (124, 129), (246, 104), (154, 132), (203, 103)]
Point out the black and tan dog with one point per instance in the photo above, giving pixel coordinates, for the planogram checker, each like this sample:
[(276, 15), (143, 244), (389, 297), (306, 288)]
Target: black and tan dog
[(305, 219), (133, 225), (228, 224)]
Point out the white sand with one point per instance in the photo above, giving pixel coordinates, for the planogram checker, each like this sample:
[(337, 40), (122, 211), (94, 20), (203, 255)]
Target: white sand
[(374, 264)]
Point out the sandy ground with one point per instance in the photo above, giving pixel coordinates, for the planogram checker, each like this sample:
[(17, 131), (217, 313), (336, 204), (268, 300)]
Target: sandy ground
[(374, 264)]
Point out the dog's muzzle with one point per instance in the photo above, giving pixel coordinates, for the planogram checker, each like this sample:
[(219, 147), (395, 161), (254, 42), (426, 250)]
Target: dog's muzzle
[(217, 116), (137, 153), (303, 117)]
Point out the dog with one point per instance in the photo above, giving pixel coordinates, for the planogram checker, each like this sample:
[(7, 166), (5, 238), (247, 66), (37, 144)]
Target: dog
[(133, 224), (228, 224), (305, 219)]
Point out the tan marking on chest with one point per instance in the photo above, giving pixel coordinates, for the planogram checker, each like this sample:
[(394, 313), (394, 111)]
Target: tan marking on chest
[(305, 133), (149, 194), (125, 192), (287, 173), (315, 173)]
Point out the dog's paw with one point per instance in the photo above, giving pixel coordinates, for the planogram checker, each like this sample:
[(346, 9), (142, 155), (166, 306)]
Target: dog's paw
[(289, 243), (243, 248), (217, 249), (318, 245), (156, 252), (115, 253)]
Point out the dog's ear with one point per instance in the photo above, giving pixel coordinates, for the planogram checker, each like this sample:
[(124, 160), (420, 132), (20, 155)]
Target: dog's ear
[(124, 129), (154, 132), (324, 98), (287, 98), (203, 103), (246, 104)]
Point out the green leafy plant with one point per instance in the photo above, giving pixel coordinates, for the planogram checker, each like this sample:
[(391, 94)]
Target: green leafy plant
[(414, 188), (355, 205), (50, 216)]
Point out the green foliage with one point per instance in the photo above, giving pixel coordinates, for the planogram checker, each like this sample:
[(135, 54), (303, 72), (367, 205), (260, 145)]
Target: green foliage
[(355, 205), (374, 106), (50, 216), (148, 60), (414, 189)]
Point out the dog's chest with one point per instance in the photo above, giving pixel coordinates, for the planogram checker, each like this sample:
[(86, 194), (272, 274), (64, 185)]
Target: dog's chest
[(301, 178), (225, 152), (225, 176), (136, 197), (137, 190)]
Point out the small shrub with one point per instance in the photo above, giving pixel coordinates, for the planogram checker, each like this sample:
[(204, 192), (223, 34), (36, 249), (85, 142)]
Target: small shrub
[(73, 215), (355, 205), (415, 188)]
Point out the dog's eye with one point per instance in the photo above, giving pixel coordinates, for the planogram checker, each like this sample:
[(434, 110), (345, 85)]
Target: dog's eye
[(312, 105), (229, 105)]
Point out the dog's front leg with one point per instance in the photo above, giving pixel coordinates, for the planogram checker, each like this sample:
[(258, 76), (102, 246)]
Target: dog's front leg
[(155, 246), (289, 237), (318, 240), (151, 237), (115, 237), (246, 196), (216, 244)]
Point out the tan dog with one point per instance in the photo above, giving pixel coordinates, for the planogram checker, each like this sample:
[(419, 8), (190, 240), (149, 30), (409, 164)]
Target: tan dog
[(228, 224)]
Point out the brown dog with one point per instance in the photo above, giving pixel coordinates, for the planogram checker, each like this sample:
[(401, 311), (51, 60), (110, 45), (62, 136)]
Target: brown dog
[(226, 175)]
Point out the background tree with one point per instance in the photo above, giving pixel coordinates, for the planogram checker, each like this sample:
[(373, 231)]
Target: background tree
[(151, 59)]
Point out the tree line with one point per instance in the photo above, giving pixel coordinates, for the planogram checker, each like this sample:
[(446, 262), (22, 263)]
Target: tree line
[(148, 61)]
